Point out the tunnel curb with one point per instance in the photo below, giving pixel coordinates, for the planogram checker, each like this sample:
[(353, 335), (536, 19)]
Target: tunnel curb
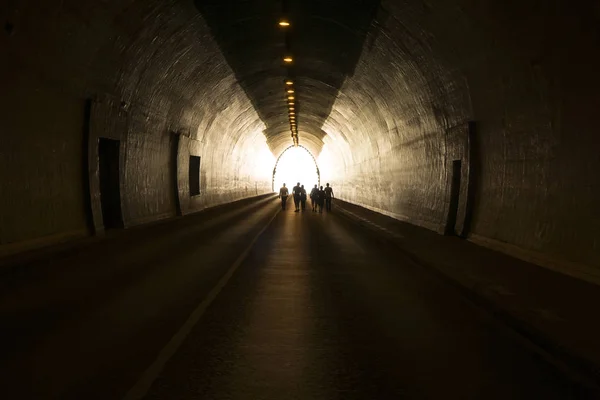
[(9, 263), (580, 370)]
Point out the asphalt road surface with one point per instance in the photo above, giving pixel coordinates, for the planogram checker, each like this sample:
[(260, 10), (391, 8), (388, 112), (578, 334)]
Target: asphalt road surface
[(321, 310), (316, 309)]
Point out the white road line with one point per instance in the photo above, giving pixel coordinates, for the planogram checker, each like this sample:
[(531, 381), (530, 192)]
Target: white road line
[(141, 388)]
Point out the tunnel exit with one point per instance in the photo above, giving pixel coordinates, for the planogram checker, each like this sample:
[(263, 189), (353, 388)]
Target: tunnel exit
[(296, 164)]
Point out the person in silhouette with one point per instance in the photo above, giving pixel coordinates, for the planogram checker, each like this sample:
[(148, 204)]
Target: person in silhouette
[(314, 197), (296, 192), (283, 195), (302, 198), (321, 199), (328, 196)]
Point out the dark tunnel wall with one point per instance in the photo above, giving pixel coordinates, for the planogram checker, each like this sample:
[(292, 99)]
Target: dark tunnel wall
[(524, 73), (509, 88), (147, 71)]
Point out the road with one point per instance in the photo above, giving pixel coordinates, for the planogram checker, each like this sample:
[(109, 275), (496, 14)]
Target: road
[(317, 309), (321, 310)]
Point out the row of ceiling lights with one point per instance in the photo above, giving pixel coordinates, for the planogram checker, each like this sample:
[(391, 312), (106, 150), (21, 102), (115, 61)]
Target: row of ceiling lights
[(290, 92)]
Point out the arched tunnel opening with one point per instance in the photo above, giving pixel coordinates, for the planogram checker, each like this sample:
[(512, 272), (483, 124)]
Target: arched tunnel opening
[(296, 165), (142, 142)]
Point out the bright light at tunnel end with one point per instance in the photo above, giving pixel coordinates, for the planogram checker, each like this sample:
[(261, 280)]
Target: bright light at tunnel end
[(295, 165)]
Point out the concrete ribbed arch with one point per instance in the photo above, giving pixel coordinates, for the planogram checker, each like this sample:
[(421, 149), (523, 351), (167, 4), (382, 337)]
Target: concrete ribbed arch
[(387, 91)]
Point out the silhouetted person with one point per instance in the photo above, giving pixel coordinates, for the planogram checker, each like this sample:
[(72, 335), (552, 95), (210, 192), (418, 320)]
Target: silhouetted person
[(303, 198), (314, 193), (328, 196), (296, 192), (283, 195), (321, 197)]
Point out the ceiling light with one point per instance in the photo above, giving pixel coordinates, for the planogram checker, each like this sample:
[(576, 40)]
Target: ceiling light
[(289, 82), (288, 59), (284, 23), (291, 97), (290, 90)]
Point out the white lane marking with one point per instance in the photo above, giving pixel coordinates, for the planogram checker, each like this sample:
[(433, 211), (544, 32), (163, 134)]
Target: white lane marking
[(143, 385), (373, 224)]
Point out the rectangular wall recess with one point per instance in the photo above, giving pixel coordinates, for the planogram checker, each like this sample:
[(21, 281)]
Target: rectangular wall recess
[(194, 175)]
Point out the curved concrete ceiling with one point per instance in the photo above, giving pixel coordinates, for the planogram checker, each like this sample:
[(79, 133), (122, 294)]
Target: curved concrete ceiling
[(390, 93), (325, 39)]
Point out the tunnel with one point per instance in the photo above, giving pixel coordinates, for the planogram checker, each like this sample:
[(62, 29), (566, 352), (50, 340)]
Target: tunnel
[(145, 251)]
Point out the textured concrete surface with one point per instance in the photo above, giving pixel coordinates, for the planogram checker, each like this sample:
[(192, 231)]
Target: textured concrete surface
[(151, 69), (321, 310), (325, 39), (385, 91), (83, 322), (523, 71)]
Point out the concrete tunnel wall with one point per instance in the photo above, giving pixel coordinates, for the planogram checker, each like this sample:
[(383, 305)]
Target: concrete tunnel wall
[(510, 88), (147, 71), (523, 74)]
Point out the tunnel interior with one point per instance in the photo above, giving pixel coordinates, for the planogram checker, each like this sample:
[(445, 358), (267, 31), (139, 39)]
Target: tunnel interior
[(389, 97), (143, 250)]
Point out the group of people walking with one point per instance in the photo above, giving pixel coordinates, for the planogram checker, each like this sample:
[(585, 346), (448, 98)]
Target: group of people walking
[(319, 197)]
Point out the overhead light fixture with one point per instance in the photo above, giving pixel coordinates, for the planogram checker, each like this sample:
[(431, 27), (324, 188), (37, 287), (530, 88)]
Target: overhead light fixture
[(292, 108), (290, 90), (292, 113), (284, 23), (288, 59), (291, 97), (289, 82)]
